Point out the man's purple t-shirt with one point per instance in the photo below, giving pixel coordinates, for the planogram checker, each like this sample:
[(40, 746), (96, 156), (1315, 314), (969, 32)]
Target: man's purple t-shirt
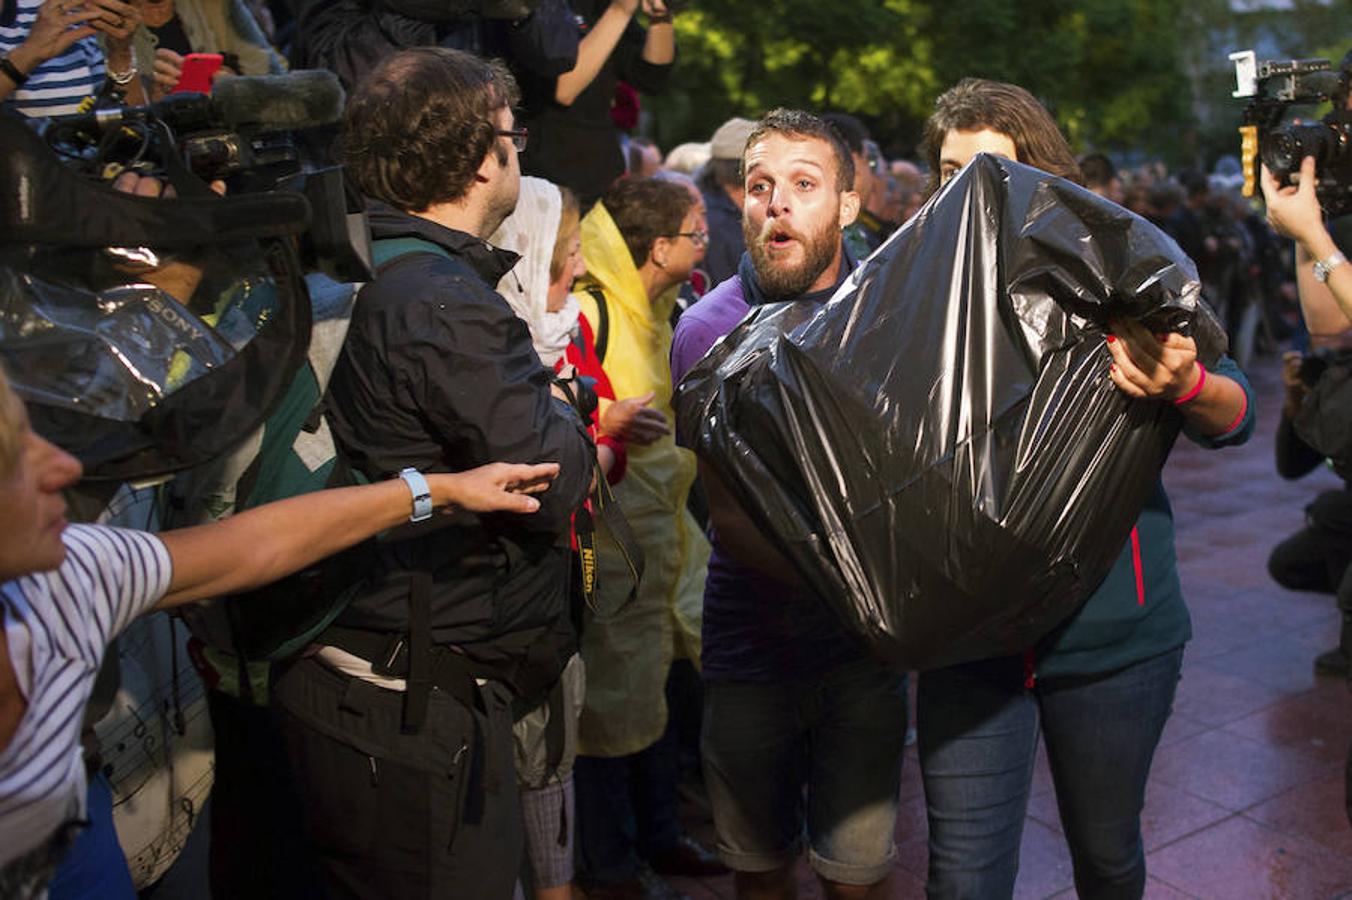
[(756, 629)]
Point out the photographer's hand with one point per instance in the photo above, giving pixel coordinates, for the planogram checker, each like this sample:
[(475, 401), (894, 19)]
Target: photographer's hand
[(149, 186), (1165, 367), (176, 278), (59, 24), (1294, 212), (168, 71), (118, 22), (116, 19), (1291, 380)]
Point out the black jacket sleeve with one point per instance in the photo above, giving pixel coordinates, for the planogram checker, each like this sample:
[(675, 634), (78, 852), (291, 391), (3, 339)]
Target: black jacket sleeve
[(469, 366), (545, 44), (1295, 458)]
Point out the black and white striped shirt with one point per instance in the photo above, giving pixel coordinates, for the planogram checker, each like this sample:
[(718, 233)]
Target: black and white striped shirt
[(58, 625), (59, 85)]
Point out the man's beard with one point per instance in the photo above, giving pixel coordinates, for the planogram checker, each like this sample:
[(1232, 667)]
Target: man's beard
[(778, 280), (502, 203)]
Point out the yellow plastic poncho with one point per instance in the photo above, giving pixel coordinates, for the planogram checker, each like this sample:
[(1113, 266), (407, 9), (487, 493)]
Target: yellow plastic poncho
[(628, 653)]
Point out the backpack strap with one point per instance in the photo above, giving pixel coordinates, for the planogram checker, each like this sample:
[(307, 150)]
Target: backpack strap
[(602, 322), (386, 250)]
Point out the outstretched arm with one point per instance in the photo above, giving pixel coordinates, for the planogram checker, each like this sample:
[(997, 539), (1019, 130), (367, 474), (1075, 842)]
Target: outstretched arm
[(269, 542)]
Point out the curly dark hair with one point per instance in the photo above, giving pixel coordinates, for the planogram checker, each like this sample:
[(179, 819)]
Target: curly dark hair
[(645, 209), (976, 104), (420, 124), (795, 123)]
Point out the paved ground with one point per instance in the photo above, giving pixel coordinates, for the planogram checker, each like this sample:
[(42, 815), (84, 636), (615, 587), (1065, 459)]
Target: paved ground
[(1246, 794)]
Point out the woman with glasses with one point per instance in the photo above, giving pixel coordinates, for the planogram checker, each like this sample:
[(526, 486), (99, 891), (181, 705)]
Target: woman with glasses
[(640, 244), (1100, 687)]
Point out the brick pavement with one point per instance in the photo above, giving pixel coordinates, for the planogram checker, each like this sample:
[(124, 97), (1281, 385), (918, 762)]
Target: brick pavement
[(1246, 794)]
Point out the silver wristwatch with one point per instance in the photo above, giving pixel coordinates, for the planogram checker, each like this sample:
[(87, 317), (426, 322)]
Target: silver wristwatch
[(422, 494), (1322, 267)]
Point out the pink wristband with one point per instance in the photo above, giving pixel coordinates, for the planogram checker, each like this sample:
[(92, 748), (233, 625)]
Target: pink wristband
[(1243, 409), (1196, 388)]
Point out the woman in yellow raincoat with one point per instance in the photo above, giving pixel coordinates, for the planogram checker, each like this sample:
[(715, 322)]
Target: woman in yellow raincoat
[(640, 244)]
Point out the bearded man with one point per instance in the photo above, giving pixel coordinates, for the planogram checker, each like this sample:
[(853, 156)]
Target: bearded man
[(791, 700)]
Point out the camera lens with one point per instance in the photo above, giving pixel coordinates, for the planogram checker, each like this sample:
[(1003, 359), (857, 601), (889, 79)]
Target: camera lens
[(1284, 148)]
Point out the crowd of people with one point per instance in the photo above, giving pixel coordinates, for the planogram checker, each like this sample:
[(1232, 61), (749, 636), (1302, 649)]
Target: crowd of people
[(564, 620)]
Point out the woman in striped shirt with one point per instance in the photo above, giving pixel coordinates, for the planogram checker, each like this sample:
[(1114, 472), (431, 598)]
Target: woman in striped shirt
[(55, 54), (67, 590)]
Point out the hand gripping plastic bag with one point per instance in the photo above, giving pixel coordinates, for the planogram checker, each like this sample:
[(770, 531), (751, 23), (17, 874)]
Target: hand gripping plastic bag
[(939, 449)]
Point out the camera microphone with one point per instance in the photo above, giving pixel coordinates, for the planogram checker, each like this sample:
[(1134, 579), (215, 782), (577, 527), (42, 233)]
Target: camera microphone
[(1312, 83), (249, 104), (257, 104)]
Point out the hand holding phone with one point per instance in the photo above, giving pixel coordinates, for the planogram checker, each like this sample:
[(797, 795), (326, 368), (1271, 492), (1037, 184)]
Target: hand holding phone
[(198, 69)]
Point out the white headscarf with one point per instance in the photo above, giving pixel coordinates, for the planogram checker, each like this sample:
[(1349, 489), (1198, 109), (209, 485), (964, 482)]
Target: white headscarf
[(531, 231)]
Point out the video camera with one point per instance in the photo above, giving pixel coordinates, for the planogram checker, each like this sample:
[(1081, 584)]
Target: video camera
[(1271, 87), (240, 134)]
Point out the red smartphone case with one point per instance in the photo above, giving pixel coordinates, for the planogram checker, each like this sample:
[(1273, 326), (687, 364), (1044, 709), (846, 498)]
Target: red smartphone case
[(197, 71)]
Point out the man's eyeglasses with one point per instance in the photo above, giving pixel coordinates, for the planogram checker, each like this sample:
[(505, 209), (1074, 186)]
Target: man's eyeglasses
[(699, 238), (518, 136)]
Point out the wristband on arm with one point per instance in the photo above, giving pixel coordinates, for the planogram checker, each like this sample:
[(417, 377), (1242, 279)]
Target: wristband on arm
[(11, 71), (422, 494), (1196, 388)]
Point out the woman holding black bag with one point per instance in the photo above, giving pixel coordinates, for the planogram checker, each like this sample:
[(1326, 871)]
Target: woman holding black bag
[(1100, 686)]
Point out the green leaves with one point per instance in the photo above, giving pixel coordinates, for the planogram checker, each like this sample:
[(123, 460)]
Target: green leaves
[(1146, 76)]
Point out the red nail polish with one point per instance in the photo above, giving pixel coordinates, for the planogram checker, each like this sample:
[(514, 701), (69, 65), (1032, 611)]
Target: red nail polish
[(1111, 338)]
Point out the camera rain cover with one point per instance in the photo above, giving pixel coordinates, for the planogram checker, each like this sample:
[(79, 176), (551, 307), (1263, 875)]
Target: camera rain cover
[(939, 449), (146, 335)]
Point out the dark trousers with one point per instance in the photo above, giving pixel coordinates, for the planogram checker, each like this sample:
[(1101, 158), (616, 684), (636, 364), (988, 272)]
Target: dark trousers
[(257, 844), (431, 814), (978, 731), (1316, 557), (626, 805), (1319, 556)]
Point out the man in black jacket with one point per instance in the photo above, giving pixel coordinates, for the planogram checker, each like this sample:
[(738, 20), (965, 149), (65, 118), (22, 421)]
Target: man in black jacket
[(398, 727)]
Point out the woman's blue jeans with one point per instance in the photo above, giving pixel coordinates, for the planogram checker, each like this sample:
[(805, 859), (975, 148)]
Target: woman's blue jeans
[(978, 731)]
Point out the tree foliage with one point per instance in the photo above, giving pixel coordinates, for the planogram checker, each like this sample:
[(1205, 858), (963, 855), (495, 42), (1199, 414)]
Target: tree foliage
[(1119, 75)]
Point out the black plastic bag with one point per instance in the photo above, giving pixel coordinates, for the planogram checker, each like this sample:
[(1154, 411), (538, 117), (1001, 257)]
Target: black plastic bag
[(939, 449)]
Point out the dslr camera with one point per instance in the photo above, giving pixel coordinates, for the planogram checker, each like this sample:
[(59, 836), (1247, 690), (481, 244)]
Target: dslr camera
[(1271, 88)]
